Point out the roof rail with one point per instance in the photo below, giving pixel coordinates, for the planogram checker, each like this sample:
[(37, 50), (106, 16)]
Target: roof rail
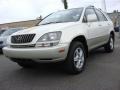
[(90, 6)]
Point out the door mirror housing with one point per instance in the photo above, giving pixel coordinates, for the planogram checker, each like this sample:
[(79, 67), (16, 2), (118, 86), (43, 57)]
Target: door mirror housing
[(91, 18)]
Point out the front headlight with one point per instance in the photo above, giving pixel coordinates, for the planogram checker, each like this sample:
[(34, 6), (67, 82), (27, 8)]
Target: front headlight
[(49, 39)]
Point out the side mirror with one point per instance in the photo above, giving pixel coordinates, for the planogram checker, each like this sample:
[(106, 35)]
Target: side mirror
[(91, 18)]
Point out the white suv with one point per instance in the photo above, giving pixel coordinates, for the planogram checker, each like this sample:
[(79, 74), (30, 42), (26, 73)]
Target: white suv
[(66, 35)]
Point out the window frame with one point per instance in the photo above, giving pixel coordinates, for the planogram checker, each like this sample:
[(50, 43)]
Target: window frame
[(85, 18), (105, 18)]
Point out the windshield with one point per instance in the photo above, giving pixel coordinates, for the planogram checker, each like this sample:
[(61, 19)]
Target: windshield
[(71, 15), (9, 32)]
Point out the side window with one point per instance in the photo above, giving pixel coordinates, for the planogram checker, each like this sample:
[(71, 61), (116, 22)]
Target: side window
[(100, 15), (90, 11)]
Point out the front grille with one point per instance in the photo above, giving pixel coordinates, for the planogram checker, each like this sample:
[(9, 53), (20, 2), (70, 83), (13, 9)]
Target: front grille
[(26, 38), (1, 42), (22, 46)]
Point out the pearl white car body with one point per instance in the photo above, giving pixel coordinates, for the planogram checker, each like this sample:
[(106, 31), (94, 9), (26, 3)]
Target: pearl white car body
[(95, 33)]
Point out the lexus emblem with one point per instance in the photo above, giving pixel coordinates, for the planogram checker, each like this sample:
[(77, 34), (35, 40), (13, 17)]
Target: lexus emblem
[(19, 38)]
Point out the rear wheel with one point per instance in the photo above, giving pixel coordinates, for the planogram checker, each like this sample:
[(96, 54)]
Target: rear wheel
[(109, 47), (76, 58)]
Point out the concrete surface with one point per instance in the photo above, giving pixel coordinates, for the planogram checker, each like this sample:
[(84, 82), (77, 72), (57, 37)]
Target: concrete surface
[(102, 73)]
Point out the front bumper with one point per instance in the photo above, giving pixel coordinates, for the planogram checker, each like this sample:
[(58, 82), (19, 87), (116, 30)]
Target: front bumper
[(46, 54)]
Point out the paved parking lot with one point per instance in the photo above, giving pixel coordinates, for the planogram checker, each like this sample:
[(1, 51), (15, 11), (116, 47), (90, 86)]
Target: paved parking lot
[(102, 73)]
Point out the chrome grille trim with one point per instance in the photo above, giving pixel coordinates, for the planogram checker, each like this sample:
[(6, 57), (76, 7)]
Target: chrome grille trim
[(26, 38), (22, 46)]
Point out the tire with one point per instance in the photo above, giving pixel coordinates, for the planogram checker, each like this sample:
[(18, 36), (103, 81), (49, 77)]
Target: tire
[(76, 58), (24, 63), (109, 47)]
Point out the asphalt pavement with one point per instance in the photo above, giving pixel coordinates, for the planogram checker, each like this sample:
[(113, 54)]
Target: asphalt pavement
[(102, 73)]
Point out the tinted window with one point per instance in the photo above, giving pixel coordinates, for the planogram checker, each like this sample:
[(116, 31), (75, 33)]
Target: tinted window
[(70, 15), (100, 15), (89, 11)]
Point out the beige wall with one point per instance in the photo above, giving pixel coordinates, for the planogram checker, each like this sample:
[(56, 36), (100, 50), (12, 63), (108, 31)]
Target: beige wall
[(29, 23)]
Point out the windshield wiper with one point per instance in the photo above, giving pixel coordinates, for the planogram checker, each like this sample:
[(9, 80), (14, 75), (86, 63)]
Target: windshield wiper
[(50, 23)]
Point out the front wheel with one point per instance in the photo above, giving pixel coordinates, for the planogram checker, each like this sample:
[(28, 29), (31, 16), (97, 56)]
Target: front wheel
[(76, 58), (109, 47)]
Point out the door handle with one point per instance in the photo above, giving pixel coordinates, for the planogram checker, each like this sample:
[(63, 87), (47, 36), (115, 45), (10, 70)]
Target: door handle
[(100, 25)]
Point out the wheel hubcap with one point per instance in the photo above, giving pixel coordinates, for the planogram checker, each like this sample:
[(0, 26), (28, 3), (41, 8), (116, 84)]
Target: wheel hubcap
[(79, 58), (111, 43)]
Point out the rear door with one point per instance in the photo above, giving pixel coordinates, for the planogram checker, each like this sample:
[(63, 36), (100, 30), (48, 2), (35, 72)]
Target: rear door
[(103, 27)]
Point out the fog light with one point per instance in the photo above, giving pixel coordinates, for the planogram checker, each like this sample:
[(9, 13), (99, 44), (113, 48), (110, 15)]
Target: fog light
[(47, 44)]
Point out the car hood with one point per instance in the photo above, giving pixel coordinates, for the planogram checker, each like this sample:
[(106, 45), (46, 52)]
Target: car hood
[(42, 29)]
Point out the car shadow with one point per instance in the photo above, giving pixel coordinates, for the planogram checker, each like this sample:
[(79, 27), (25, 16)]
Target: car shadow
[(58, 68), (1, 53), (51, 72), (97, 53)]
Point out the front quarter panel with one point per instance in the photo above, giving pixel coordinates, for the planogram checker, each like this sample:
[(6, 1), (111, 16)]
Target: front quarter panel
[(73, 31)]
